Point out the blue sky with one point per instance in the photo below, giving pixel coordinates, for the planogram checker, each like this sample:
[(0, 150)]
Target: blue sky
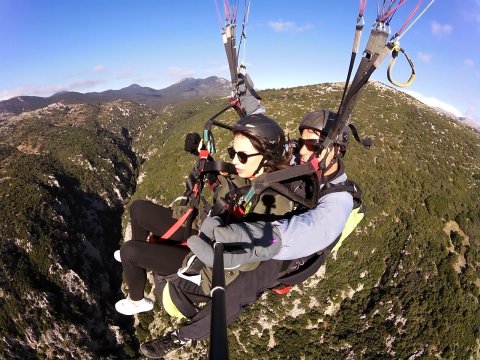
[(94, 45)]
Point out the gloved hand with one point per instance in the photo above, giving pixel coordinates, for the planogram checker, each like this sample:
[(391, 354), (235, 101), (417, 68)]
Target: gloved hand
[(249, 102), (209, 224), (201, 247), (244, 243), (202, 244)]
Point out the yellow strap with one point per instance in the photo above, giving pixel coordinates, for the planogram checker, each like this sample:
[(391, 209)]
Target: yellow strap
[(356, 215), (396, 50), (168, 304)]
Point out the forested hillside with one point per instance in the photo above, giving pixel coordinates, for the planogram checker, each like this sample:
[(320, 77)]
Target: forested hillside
[(405, 285), (65, 174)]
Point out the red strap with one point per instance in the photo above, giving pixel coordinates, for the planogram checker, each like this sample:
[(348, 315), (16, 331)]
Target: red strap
[(195, 190), (177, 225), (156, 239), (283, 290), (238, 211), (203, 154), (314, 162)]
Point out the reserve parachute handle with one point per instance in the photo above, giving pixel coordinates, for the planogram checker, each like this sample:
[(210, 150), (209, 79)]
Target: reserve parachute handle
[(396, 50)]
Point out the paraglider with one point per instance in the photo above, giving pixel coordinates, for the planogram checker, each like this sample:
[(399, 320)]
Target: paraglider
[(245, 101)]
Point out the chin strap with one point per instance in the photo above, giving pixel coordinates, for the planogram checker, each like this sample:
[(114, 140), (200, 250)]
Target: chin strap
[(260, 166), (323, 167)]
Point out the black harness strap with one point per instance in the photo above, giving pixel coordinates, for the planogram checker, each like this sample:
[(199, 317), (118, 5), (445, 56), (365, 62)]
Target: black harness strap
[(266, 180), (349, 186), (290, 194), (296, 271), (367, 142), (204, 168), (222, 204), (274, 181)]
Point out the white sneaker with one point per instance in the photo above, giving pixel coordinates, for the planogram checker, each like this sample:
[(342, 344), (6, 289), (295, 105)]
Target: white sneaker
[(116, 255), (130, 307)]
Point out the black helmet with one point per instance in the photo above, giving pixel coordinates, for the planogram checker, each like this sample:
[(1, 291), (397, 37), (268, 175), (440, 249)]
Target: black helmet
[(262, 127), (324, 121), (267, 137)]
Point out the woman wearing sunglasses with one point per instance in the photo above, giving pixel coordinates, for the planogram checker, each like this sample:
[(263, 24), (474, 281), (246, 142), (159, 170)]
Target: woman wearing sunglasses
[(259, 146), (299, 235)]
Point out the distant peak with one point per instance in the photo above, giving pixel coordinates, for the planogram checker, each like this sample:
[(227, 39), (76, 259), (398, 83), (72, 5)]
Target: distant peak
[(59, 93), (184, 79), (134, 86)]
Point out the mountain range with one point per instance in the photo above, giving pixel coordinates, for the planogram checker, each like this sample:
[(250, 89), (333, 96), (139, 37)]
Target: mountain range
[(186, 89), (404, 285)]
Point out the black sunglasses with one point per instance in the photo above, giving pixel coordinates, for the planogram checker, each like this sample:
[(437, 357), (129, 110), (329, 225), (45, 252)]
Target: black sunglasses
[(310, 144), (242, 157)]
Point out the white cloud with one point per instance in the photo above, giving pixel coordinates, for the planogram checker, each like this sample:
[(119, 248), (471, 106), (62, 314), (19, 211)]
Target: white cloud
[(434, 102), (472, 112), (99, 68), (471, 67), (441, 30), (178, 73), (280, 26), (135, 76), (424, 57)]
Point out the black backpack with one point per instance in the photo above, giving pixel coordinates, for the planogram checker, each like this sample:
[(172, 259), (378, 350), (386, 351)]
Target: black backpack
[(294, 272)]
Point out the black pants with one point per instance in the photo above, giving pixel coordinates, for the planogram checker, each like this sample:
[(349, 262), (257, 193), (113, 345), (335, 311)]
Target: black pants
[(139, 256), (165, 258), (244, 290)]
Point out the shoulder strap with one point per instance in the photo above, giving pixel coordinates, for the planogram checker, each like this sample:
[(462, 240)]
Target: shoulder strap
[(275, 179), (291, 195), (349, 186), (207, 167)]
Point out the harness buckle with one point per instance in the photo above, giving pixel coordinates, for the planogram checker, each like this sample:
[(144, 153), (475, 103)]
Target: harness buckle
[(298, 263), (238, 211)]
